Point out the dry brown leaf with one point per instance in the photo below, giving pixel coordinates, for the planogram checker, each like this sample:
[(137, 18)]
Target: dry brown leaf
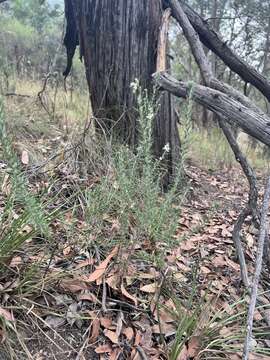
[(73, 285), (233, 264), (219, 261), (89, 297), (25, 157), (101, 268), (128, 295), (194, 346), (129, 333), (115, 354), (6, 314), (258, 357), (166, 329), (17, 260), (250, 240), (111, 335), (67, 250), (205, 270), (187, 246), (150, 288), (95, 327), (102, 349), (138, 338), (135, 355), (106, 323), (85, 263), (164, 316), (147, 276), (113, 281)]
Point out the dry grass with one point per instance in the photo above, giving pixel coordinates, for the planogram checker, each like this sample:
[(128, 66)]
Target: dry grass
[(211, 150)]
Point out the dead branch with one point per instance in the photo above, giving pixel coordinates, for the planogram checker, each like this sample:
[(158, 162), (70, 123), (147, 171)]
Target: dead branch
[(258, 269), (254, 124), (214, 42), (15, 94), (142, 353), (41, 92), (209, 80)]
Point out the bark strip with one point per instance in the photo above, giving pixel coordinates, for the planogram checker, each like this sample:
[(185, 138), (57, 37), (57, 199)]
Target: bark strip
[(163, 41)]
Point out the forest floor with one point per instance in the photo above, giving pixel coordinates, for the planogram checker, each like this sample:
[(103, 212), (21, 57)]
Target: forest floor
[(137, 317), (61, 300)]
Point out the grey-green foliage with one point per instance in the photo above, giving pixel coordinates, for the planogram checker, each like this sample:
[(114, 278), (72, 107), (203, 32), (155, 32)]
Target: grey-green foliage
[(23, 214), (133, 196)]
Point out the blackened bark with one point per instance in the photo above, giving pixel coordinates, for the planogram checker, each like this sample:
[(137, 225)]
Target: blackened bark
[(118, 40), (71, 39)]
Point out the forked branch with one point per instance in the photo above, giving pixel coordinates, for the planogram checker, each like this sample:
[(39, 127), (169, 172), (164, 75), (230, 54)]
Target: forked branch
[(213, 41)]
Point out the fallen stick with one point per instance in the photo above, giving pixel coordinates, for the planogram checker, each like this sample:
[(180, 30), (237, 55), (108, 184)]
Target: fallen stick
[(258, 269)]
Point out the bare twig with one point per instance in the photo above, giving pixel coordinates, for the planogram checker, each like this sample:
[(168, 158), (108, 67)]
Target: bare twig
[(258, 269), (250, 208), (104, 289), (15, 94), (141, 352), (40, 93)]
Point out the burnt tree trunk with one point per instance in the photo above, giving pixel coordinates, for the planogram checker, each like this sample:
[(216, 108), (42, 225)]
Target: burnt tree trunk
[(118, 41)]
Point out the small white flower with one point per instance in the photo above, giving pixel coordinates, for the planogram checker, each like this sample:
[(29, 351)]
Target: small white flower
[(150, 115), (135, 85), (166, 148)]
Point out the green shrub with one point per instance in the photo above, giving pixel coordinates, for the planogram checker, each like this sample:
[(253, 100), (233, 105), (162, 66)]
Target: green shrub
[(131, 197), (23, 215)]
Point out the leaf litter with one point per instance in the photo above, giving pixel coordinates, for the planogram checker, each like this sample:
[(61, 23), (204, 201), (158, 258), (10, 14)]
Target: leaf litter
[(140, 315)]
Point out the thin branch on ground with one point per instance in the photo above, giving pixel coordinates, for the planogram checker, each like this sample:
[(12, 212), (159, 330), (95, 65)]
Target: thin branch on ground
[(251, 207), (142, 353), (104, 289), (18, 95), (258, 269)]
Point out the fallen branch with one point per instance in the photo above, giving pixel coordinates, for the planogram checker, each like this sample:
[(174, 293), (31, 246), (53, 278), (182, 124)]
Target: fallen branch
[(253, 123), (15, 94), (213, 42), (258, 269)]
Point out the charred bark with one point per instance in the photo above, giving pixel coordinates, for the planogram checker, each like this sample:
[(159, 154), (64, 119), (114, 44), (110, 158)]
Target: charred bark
[(71, 39), (118, 40)]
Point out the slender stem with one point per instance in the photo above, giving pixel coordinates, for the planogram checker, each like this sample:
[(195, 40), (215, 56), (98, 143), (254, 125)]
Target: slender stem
[(258, 269)]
